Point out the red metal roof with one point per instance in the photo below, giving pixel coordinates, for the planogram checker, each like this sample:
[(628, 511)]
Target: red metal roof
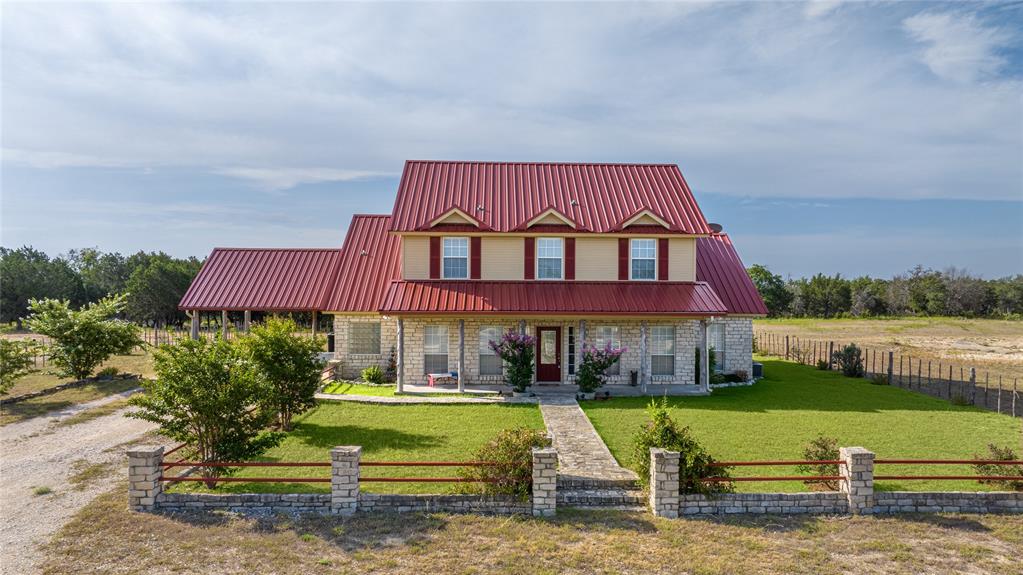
[(551, 298), (718, 264), (370, 259), (510, 194), (263, 279)]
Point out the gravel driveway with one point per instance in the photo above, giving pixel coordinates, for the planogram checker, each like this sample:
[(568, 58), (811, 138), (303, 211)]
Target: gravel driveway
[(40, 453)]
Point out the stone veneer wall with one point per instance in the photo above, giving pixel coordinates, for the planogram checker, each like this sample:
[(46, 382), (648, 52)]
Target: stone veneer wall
[(738, 345), (948, 502), (352, 365), (756, 503)]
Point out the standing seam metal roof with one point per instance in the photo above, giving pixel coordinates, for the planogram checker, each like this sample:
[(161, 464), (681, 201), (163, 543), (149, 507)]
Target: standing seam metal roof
[(370, 258), (718, 264)]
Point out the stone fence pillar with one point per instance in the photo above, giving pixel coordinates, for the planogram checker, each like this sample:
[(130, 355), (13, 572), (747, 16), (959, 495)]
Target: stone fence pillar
[(545, 481), (857, 479), (344, 479), (664, 482), (145, 467)]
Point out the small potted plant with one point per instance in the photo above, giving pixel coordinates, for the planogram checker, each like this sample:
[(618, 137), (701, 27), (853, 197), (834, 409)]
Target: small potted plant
[(517, 351), (592, 370)]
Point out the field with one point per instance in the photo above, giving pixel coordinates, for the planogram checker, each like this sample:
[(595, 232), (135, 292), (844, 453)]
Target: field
[(774, 419), (423, 432), (991, 346), (107, 538)]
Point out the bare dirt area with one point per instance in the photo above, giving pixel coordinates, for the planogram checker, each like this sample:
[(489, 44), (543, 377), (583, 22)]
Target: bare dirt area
[(993, 347), (51, 467)]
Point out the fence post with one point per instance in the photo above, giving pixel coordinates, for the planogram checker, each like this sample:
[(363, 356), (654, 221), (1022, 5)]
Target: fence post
[(857, 479), (145, 467), (545, 481), (891, 366), (664, 482), (831, 355), (786, 347), (973, 385), (344, 479)]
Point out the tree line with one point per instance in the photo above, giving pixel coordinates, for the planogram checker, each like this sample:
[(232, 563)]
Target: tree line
[(920, 291), (154, 281)]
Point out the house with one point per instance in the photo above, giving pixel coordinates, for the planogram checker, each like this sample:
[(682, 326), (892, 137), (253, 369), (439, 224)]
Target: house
[(615, 254)]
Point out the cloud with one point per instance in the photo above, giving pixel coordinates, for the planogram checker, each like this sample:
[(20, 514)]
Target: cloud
[(960, 47), (276, 179)]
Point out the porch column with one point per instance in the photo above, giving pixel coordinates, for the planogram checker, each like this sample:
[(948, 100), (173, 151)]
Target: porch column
[(223, 324), (642, 356), (522, 327), (582, 335), (247, 322), (704, 375), (400, 360), (461, 356), (195, 324), (314, 323)]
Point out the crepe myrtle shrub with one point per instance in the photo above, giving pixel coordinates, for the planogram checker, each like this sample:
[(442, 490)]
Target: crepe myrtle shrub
[(996, 453), (821, 448), (82, 339), (15, 361), (695, 464), (517, 351), (288, 367), (850, 360), (511, 450), (592, 371), (373, 374), (205, 395)]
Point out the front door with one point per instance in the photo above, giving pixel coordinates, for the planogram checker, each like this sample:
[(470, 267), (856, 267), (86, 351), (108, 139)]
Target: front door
[(548, 354)]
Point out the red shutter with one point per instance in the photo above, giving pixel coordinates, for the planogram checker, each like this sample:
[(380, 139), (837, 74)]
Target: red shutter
[(662, 259), (623, 258), (475, 263), (434, 257), (569, 258), (528, 267)]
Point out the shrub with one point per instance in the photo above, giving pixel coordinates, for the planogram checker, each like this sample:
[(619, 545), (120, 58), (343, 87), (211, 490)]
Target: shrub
[(592, 370), (107, 373), (391, 372), (879, 379), (202, 396), (821, 449), (512, 450), (694, 463), (741, 375), (960, 399), (823, 365), (373, 374), (712, 361), (15, 361), (996, 453), (850, 360), (287, 366), (517, 351), (83, 339)]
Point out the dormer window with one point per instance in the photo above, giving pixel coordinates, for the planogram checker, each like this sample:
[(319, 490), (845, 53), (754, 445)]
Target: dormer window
[(550, 258), (644, 259), (456, 258)]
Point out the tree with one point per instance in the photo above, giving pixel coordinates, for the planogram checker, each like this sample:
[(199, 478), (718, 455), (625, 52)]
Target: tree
[(156, 287), (83, 339), (15, 361), (821, 296), (29, 273), (966, 295), (1008, 293), (772, 289), (102, 274), (595, 362), (867, 297), (203, 396), (926, 291), (288, 368)]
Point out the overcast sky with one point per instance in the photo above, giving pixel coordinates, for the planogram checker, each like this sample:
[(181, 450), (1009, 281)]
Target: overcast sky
[(860, 138)]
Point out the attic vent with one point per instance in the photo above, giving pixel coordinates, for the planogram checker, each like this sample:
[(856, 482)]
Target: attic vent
[(363, 253), (574, 202), (716, 228)]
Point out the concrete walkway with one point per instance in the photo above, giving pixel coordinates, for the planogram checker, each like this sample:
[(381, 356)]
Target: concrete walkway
[(584, 461)]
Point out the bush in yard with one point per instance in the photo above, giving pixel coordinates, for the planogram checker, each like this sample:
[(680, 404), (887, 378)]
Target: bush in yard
[(821, 448), (823, 365), (288, 367), (996, 453), (517, 351), (83, 339), (391, 372), (694, 464), (373, 374), (512, 450), (879, 379), (850, 360), (204, 395), (15, 361), (591, 373), (107, 373)]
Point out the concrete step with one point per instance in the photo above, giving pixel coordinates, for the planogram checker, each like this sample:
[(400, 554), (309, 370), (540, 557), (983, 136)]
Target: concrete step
[(576, 483), (621, 499)]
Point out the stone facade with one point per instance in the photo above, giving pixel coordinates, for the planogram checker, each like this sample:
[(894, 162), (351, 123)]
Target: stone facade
[(353, 364), (344, 479), (145, 467), (247, 502), (487, 505), (545, 482), (738, 345), (857, 481), (832, 502), (664, 483), (948, 502)]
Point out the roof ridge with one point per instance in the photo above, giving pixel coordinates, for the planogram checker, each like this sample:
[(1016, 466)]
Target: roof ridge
[(222, 248), (534, 163)]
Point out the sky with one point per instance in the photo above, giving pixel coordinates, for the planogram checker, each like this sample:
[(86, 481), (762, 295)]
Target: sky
[(853, 138)]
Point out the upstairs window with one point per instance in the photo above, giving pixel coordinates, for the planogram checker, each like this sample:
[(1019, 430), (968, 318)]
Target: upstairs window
[(644, 259), (550, 258), (456, 258)]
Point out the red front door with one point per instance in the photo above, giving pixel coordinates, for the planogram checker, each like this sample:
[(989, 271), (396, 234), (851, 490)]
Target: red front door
[(548, 354)]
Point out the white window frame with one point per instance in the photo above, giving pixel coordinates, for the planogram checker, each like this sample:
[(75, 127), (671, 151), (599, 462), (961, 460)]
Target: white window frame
[(654, 330), (561, 259), (428, 349), (486, 351), (353, 341), (444, 257), (600, 341), (720, 354), (632, 242)]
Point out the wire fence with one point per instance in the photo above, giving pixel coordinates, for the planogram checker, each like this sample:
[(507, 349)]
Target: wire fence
[(959, 384)]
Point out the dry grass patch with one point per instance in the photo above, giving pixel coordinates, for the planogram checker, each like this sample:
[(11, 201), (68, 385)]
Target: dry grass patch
[(105, 537), (63, 399)]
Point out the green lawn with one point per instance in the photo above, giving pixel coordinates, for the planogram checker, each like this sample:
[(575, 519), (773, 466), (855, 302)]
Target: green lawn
[(355, 388), (423, 432), (775, 418)]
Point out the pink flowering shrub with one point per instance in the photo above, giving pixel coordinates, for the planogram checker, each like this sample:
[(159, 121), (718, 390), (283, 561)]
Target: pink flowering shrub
[(591, 373), (517, 351)]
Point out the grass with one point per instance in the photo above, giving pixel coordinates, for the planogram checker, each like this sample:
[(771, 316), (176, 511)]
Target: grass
[(62, 399), (775, 418), (137, 363), (84, 473), (423, 432), (95, 412), (42, 490), (104, 533), (356, 388)]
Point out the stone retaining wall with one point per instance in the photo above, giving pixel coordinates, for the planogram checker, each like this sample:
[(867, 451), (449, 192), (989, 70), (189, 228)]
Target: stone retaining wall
[(270, 502), (755, 503), (948, 502), (494, 505)]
